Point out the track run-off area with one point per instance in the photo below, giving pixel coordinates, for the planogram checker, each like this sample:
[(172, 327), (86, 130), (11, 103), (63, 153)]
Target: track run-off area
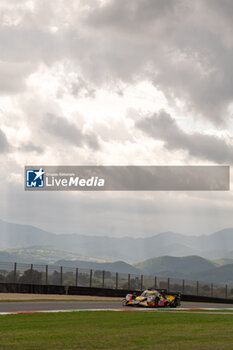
[(72, 306)]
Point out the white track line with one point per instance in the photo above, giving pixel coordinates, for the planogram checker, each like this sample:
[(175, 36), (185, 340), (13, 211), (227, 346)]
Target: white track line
[(132, 309)]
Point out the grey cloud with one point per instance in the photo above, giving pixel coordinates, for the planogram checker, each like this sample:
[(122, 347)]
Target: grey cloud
[(30, 147), (68, 132), (29, 44), (180, 46), (184, 48), (163, 127), (63, 129), (81, 88), (21, 51), (92, 141), (128, 14), (4, 145), (13, 76)]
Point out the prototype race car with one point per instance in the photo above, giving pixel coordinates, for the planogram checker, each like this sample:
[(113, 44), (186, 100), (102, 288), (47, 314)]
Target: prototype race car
[(152, 298)]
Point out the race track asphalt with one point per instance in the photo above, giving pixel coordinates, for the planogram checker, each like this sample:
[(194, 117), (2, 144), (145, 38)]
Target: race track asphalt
[(49, 306)]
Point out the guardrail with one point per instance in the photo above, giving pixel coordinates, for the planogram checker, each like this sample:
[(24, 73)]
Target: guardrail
[(51, 275)]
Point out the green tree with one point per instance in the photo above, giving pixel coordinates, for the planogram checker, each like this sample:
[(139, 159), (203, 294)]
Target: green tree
[(31, 276), (55, 278), (68, 283), (11, 277), (2, 278)]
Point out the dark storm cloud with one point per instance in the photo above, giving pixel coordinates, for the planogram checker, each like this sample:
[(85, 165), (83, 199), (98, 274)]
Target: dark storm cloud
[(4, 145), (163, 127), (68, 132)]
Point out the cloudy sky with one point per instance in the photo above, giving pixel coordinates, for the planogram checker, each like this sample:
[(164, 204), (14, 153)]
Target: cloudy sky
[(115, 82)]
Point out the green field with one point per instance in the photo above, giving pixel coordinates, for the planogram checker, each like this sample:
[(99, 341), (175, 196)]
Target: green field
[(116, 330)]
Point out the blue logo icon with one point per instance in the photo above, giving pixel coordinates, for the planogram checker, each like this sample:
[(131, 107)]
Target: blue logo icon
[(35, 178)]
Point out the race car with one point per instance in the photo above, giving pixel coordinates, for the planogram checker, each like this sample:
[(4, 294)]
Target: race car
[(152, 298)]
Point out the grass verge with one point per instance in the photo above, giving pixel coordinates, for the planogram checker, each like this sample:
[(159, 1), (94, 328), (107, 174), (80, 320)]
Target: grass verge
[(116, 330)]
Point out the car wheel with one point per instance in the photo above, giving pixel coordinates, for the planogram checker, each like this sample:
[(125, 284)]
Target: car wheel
[(124, 302)]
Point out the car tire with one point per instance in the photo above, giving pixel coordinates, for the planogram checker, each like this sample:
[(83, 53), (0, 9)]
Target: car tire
[(124, 302)]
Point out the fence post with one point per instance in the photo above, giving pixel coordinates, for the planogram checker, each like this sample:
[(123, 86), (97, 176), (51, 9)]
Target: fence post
[(76, 277), (183, 287), (103, 279), (61, 272), (168, 284), (31, 272), (90, 278), (226, 291), (155, 282), (46, 275), (197, 288), (141, 282), (116, 280), (212, 290), (129, 281), (15, 269)]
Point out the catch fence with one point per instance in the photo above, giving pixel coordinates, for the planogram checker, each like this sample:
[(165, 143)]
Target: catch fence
[(69, 276)]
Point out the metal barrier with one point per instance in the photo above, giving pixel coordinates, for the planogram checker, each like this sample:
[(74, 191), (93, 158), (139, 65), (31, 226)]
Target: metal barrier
[(51, 275)]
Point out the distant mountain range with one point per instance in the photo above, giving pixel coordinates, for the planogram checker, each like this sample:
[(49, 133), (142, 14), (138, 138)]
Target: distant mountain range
[(129, 249), (206, 257), (220, 274), (189, 268), (81, 255)]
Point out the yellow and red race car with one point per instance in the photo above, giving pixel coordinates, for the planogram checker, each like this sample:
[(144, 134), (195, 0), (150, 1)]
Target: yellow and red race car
[(152, 298)]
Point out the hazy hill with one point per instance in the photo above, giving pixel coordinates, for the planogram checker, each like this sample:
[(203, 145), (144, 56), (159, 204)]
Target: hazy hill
[(221, 274), (214, 246), (37, 254), (118, 266), (173, 265), (189, 268)]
